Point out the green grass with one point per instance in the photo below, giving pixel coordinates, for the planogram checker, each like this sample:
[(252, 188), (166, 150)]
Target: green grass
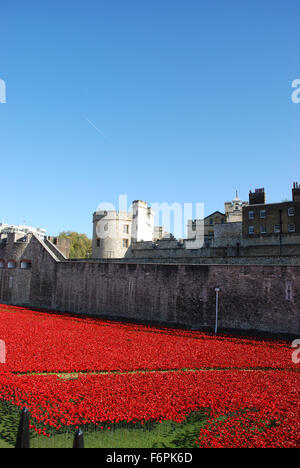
[(124, 435), (4, 445)]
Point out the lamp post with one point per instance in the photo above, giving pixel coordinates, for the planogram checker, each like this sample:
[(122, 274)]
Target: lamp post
[(280, 234), (217, 309)]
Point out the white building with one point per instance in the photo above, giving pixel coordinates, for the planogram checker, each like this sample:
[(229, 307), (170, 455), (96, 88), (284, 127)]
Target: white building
[(21, 229)]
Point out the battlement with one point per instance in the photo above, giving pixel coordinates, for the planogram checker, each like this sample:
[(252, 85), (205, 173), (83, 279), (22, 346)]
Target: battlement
[(112, 215)]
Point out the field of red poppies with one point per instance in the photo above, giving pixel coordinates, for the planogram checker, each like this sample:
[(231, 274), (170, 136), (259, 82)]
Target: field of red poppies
[(117, 372)]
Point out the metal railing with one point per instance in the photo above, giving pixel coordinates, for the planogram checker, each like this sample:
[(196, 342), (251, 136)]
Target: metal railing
[(23, 437)]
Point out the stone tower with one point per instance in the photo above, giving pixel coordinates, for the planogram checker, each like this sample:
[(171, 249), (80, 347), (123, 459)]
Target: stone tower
[(111, 234), (142, 222), (234, 210), (114, 231)]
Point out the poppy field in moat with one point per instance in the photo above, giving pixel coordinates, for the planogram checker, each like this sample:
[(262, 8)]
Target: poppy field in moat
[(72, 371)]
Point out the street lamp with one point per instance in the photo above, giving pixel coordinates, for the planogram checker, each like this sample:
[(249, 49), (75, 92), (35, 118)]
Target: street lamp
[(217, 309), (280, 233)]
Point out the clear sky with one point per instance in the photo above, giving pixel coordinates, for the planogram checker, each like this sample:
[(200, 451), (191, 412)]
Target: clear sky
[(162, 100)]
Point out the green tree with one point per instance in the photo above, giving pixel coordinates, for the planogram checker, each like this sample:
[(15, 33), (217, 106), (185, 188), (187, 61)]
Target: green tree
[(80, 244)]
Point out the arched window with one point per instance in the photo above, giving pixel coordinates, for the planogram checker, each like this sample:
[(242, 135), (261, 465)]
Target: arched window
[(2, 264), (26, 265), (12, 264)]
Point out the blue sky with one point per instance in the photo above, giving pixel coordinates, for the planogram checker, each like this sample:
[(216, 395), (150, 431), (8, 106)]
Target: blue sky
[(191, 99)]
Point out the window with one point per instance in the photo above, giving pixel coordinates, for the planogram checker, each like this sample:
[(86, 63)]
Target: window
[(251, 215), (125, 243), (98, 242), (263, 214), (25, 265), (194, 226), (11, 265), (2, 264), (126, 229), (292, 228), (291, 211), (277, 229), (211, 221), (251, 230), (263, 229)]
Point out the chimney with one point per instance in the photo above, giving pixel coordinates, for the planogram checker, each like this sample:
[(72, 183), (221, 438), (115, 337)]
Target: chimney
[(258, 197), (296, 192)]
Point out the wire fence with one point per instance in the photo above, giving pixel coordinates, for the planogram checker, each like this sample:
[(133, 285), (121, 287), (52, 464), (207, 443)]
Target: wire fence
[(23, 436), (16, 431)]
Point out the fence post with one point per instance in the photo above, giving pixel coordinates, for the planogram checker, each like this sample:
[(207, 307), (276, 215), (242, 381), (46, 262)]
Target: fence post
[(78, 440), (23, 437)]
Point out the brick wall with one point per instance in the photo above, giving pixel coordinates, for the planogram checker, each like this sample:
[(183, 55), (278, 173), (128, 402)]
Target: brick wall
[(275, 214)]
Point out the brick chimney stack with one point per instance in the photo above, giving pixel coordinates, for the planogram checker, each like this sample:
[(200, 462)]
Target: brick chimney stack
[(296, 192), (258, 197)]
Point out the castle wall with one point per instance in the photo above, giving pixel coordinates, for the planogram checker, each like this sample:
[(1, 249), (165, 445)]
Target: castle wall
[(33, 287), (228, 234), (258, 297), (173, 251), (265, 298)]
